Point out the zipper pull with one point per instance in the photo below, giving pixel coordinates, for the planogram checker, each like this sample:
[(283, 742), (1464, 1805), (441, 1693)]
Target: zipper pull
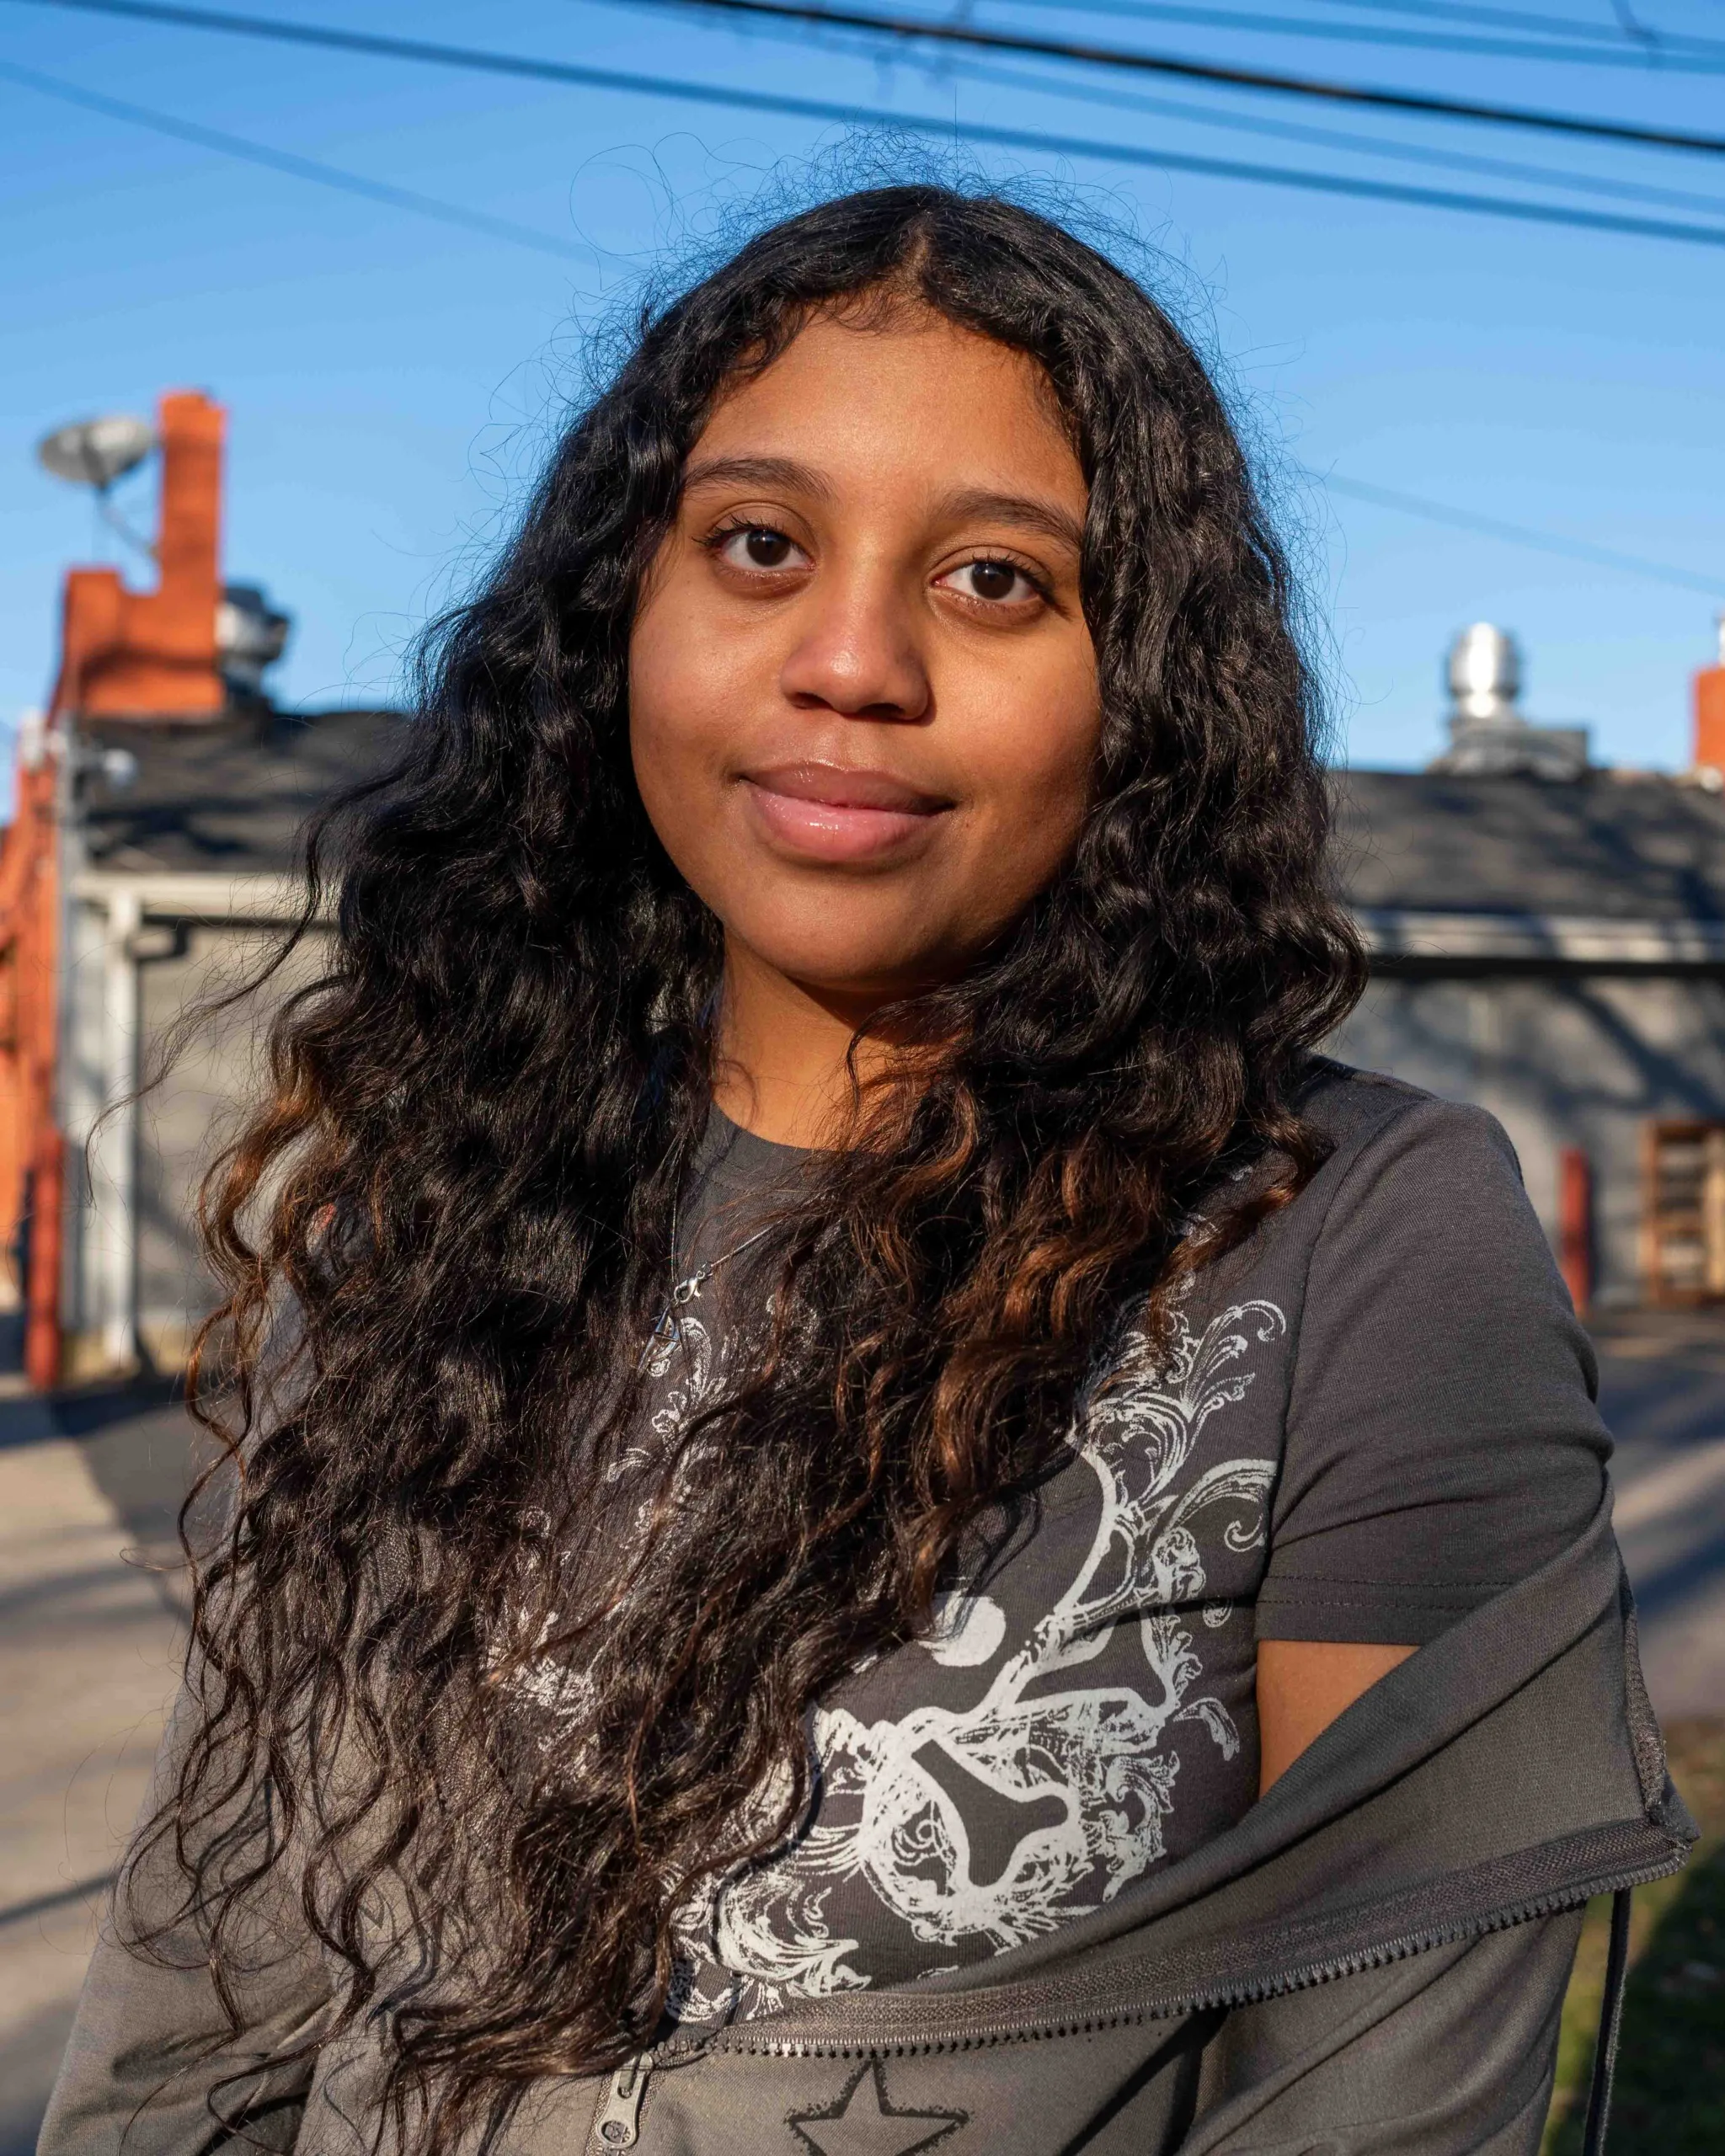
[(617, 2122)]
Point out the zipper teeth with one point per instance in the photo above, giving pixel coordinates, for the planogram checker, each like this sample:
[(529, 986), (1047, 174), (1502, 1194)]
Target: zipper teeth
[(1301, 1977)]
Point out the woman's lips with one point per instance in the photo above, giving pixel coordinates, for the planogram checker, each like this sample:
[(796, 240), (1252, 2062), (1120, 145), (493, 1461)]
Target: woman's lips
[(826, 812)]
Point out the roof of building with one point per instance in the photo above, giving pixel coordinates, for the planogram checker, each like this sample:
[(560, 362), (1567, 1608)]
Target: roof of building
[(229, 795), (232, 795), (1612, 847)]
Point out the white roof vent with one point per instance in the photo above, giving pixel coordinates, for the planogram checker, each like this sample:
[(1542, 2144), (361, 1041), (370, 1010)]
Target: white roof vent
[(1488, 737), (1485, 674)]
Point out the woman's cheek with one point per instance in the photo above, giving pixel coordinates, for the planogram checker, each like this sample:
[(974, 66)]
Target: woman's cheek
[(674, 699), (1045, 766)]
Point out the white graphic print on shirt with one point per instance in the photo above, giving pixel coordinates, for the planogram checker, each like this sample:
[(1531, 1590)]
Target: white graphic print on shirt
[(1102, 1752), (888, 1844)]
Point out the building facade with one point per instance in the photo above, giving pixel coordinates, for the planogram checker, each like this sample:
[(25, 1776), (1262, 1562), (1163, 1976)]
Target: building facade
[(182, 881), (151, 859), (1555, 952)]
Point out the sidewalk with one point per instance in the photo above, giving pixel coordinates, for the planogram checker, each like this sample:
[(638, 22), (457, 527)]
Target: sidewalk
[(88, 1650), (1662, 1392)]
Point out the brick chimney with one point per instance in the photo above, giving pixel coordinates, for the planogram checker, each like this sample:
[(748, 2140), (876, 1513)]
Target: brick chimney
[(1710, 714), (152, 654)]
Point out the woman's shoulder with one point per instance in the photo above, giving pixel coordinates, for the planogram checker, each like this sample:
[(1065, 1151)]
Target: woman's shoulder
[(1441, 1437), (1355, 1111), (1447, 1166), (1418, 1217), (1413, 1196)]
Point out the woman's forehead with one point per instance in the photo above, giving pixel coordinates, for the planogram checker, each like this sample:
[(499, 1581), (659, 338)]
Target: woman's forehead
[(908, 387)]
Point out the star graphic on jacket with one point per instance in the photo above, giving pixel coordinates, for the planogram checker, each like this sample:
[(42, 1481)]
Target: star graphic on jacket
[(864, 2122)]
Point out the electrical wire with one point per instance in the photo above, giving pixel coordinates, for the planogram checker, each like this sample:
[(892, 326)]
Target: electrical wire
[(1458, 11), (790, 106), (259, 153), (284, 161), (911, 28), (334, 176), (1584, 43), (1507, 19), (903, 28), (947, 66), (1326, 138), (424, 205), (1696, 57), (1519, 535)]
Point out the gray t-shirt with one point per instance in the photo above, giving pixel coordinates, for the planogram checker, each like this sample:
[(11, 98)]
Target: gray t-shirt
[(1369, 1420)]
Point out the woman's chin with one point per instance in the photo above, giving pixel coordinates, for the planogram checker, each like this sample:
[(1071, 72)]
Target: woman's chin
[(856, 975)]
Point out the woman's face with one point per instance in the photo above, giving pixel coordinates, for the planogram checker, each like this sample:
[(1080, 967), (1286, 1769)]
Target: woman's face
[(863, 698)]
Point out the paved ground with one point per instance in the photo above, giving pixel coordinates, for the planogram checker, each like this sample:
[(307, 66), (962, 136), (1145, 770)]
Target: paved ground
[(88, 1652), (1662, 1390), (88, 1640)]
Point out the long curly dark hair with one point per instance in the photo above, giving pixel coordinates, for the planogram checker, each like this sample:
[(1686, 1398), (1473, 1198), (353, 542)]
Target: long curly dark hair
[(455, 1209)]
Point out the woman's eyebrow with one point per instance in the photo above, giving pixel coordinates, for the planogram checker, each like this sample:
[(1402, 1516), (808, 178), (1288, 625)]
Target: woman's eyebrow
[(1026, 510), (775, 472)]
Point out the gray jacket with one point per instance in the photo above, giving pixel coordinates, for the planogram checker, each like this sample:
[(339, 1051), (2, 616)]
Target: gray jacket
[(1374, 1959)]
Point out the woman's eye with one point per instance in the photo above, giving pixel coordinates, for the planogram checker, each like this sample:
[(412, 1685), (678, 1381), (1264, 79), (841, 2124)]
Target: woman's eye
[(757, 547), (995, 581)]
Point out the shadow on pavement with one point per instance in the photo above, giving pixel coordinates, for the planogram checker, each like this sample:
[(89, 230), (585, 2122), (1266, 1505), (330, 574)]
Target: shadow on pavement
[(140, 1447), (78, 1412)]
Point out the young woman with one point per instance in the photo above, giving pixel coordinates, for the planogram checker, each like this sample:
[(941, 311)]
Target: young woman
[(859, 1391)]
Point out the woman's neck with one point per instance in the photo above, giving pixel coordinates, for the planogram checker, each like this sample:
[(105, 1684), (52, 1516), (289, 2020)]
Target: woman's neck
[(782, 1069)]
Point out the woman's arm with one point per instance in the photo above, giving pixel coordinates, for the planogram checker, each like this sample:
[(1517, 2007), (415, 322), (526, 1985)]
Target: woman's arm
[(1302, 1686), (1442, 1442), (1442, 1439), (146, 2073)]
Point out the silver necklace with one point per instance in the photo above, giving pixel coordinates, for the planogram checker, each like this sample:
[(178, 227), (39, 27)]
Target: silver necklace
[(666, 1326)]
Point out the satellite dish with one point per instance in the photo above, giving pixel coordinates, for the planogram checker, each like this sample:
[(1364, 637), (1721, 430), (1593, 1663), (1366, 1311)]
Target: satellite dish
[(96, 452)]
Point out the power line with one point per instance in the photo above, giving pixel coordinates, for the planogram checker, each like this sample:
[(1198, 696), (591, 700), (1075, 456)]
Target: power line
[(946, 66), (337, 177), (789, 106), (334, 176), (1327, 138), (283, 161), (1608, 49), (902, 28), (1519, 535), (907, 28), (1509, 19), (427, 205), (325, 175)]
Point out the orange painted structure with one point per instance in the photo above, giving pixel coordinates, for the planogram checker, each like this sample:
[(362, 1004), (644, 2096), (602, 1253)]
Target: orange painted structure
[(1575, 1225), (124, 655), (31, 1149), (1710, 712)]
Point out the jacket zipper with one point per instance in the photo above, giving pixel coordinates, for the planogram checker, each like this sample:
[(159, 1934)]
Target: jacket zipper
[(969, 2035), (616, 2124)]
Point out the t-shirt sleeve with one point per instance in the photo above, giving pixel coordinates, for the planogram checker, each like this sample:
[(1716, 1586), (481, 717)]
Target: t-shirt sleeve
[(1443, 1440)]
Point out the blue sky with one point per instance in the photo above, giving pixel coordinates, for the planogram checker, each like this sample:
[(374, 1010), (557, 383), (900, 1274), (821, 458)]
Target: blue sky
[(392, 381)]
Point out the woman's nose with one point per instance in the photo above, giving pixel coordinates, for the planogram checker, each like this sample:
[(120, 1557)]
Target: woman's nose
[(859, 654)]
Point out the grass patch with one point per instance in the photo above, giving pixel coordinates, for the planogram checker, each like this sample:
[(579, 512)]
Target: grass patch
[(1670, 2088)]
